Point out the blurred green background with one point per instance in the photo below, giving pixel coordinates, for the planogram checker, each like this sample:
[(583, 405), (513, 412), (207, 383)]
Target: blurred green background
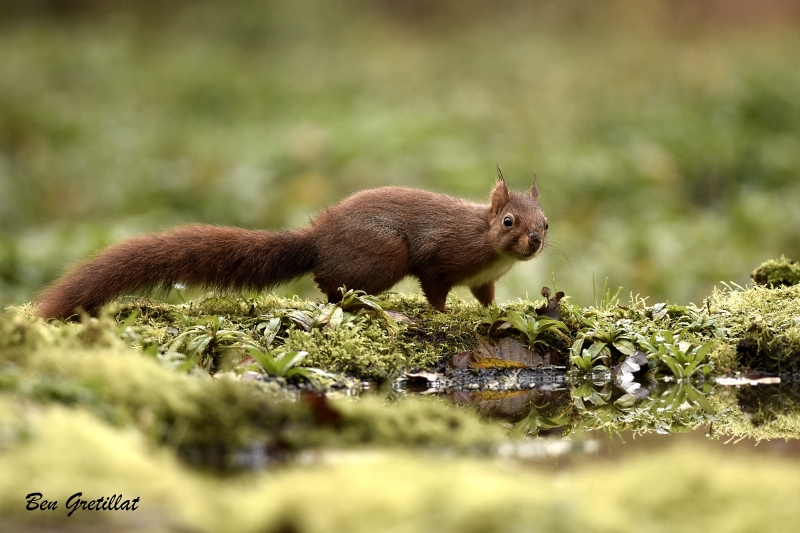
[(665, 135)]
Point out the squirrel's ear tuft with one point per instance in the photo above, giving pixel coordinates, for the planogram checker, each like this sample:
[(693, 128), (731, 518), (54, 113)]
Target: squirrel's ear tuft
[(535, 189), (500, 174), (500, 197)]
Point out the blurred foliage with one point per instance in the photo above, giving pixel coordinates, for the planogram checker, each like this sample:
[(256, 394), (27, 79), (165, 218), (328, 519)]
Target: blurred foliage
[(684, 488), (666, 136)]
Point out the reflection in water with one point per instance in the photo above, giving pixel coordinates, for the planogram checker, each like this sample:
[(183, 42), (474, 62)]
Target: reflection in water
[(769, 404), (574, 405), (511, 406), (636, 369)]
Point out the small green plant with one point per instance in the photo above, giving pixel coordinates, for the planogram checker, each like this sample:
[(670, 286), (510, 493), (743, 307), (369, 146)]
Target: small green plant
[(612, 334), (269, 329), (282, 365), (491, 315), (585, 359), (607, 299), (587, 391), (200, 341), (533, 327), (326, 316), (681, 357), (354, 300)]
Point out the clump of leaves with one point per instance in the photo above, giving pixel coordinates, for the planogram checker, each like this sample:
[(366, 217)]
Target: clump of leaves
[(603, 335), (282, 365), (587, 359), (353, 300), (532, 327), (598, 394), (612, 334), (683, 358), (200, 341)]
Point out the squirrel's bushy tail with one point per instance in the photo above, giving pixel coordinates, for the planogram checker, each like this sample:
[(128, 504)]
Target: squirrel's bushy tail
[(199, 255)]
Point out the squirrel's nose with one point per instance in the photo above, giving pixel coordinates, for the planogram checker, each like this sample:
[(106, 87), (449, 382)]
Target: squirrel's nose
[(535, 240)]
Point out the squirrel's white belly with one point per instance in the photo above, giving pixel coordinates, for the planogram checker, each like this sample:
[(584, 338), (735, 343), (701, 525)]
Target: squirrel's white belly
[(500, 266)]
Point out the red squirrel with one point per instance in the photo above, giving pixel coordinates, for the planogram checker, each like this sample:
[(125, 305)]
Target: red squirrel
[(369, 241)]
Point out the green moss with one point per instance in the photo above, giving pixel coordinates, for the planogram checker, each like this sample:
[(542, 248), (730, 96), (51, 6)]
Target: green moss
[(197, 415), (774, 412), (410, 423), (21, 330), (361, 343), (759, 413), (361, 348), (777, 272), (739, 310), (71, 451), (764, 326), (724, 357), (209, 420)]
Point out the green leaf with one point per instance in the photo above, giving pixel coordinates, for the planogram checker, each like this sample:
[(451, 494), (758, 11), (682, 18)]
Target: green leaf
[(701, 352), (265, 360), (625, 401), (336, 318), (596, 399), (271, 330), (676, 369), (577, 347), (595, 349), (287, 360), (199, 344), (669, 397), (698, 398), (518, 322), (626, 347), (521, 428), (302, 319)]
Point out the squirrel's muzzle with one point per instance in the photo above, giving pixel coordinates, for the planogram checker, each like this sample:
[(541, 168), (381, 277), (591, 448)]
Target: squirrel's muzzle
[(534, 241)]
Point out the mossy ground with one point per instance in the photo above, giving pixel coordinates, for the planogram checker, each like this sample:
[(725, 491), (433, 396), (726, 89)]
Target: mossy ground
[(149, 400)]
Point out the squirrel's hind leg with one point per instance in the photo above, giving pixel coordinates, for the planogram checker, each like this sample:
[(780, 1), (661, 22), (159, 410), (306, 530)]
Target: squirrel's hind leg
[(436, 292)]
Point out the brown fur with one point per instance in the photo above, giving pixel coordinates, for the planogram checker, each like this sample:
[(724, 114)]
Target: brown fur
[(369, 241)]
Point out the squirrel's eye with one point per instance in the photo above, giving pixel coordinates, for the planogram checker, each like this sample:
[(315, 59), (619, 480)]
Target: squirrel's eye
[(546, 226), (508, 222)]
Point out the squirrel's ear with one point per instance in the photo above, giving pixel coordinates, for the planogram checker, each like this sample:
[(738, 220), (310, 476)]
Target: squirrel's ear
[(500, 197), (535, 189)]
